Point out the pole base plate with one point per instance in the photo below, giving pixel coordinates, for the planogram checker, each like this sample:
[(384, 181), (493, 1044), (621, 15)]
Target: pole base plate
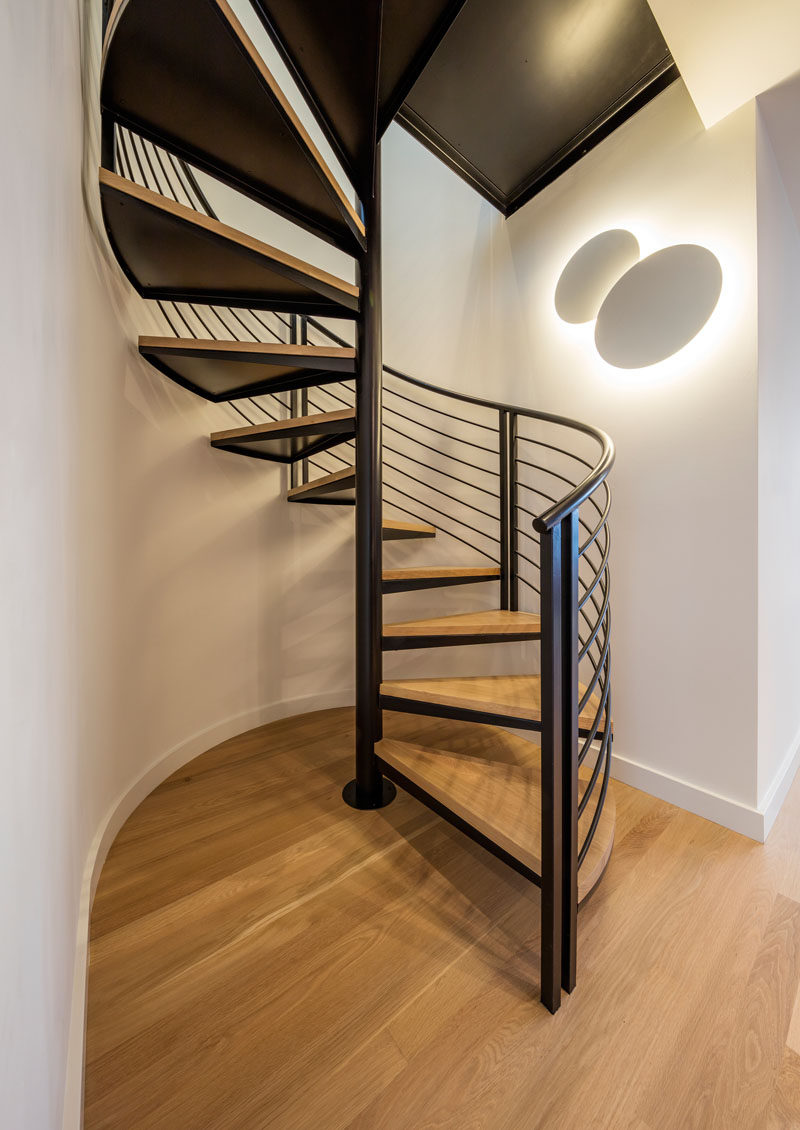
[(351, 797)]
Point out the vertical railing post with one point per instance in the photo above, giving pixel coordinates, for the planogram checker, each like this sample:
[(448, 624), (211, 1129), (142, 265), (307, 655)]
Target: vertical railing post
[(570, 562), (294, 400), (302, 339), (108, 142), (369, 789), (509, 580), (552, 766)]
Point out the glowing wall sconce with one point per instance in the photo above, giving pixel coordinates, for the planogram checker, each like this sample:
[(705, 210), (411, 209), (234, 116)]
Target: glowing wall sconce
[(591, 273), (645, 310)]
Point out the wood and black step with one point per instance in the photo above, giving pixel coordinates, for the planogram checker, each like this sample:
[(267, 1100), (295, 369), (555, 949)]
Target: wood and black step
[(335, 489), (285, 441), (498, 626), (433, 577), (228, 370), (172, 252), (509, 700), (500, 799), (403, 531), (185, 74)]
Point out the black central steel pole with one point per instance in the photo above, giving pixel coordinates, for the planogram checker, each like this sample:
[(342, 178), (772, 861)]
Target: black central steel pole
[(369, 789)]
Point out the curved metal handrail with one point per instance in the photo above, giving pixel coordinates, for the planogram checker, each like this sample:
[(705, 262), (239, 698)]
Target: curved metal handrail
[(580, 493)]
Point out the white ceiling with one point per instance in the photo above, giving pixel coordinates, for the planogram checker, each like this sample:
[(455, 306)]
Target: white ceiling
[(728, 51)]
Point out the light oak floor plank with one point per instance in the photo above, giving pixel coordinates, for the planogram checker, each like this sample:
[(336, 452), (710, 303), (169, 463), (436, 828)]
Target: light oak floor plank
[(263, 956)]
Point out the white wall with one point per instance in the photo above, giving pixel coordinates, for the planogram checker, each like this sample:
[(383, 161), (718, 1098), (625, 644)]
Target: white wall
[(39, 860), (684, 556), (452, 310), (469, 303), (778, 464)]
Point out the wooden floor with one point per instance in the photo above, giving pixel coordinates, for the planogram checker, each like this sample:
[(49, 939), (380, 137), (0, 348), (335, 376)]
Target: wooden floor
[(263, 956)]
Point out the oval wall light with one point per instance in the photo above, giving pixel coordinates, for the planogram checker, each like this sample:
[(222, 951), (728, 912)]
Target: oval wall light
[(658, 306), (591, 272)]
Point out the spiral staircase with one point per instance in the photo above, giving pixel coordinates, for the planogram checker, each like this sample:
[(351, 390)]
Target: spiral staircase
[(185, 94)]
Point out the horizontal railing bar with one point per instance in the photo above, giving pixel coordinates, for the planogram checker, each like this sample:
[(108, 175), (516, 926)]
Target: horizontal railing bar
[(601, 712), (441, 411), (598, 641), (328, 333), (430, 486), (593, 683), (559, 450), (448, 533), (436, 510), (439, 471), (534, 564), (444, 454), (545, 470), (600, 802), (600, 525), (596, 629), (598, 575), (439, 432), (590, 784)]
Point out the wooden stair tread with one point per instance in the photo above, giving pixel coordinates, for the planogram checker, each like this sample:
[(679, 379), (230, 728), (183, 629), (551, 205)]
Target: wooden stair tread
[(226, 370), (284, 441), (172, 252), (502, 800), (396, 531), (437, 571), (339, 484), (492, 626), (510, 696), (149, 79), (431, 577)]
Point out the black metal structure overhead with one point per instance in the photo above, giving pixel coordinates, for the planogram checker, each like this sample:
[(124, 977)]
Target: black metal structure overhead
[(355, 61), (236, 124), (517, 92)]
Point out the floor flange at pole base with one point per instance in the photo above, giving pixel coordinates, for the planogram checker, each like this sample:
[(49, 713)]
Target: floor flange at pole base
[(350, 796)]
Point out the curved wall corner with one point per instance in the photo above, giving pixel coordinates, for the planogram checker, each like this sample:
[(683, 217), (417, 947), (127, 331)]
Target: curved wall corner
[(109, 828)]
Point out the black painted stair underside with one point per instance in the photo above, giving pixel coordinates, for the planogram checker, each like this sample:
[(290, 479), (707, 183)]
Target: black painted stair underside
[(236, 124), (285, 441), (226, 370), (172, 252)]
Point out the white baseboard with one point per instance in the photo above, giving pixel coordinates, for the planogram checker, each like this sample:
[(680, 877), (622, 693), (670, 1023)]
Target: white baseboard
[(751, 822), (722, 810), (118, 813), (775, 795), (755, 822)]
